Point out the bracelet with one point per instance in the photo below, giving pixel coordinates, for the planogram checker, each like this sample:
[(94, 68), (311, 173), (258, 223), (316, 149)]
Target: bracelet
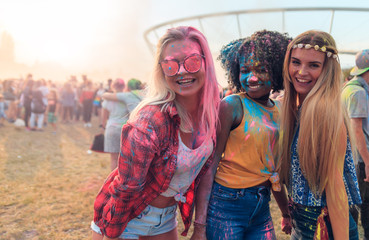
[(198, 224)]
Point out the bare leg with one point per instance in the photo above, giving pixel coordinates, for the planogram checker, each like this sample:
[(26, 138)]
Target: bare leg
[(172, 235), (113, 160), (96, 236)]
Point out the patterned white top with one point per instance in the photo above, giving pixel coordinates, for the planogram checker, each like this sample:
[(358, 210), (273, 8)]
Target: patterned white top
[(299, 190)]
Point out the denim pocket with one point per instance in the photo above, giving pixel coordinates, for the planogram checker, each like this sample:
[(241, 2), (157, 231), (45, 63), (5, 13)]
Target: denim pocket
[(224, 193), (144, 213)]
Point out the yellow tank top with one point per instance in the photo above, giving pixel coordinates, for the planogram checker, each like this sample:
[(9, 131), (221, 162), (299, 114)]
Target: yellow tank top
[(252, 147)]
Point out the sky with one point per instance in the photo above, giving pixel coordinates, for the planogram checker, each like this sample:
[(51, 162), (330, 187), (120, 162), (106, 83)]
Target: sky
[(104, 38)]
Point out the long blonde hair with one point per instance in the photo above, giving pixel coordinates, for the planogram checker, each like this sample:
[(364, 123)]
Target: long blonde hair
[(159, 93), (320, 119)]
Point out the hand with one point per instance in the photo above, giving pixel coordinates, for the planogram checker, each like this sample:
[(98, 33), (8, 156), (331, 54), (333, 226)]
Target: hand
[(366, 173), (286, 225), (199, 233)]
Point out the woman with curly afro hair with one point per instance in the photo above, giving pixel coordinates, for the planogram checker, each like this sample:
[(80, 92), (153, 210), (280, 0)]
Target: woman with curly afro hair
[(244, 170)]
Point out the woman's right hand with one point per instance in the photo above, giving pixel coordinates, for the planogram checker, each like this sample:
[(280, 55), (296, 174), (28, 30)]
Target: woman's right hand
[(199, 233)]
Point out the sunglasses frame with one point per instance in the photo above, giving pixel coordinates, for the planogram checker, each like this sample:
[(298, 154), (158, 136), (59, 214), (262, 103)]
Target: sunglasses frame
[(179, 64)]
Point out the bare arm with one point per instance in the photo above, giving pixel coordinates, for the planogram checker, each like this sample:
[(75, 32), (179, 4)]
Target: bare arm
[(230, 115), (109, 96), (282, 201), (104, 118), (337, 201), (357, 126)]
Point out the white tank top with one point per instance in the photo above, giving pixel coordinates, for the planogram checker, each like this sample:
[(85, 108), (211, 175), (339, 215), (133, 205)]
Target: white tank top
[(189, 164)]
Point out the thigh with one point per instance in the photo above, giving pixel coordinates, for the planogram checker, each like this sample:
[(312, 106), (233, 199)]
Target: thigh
[(229, 212), (304, 220), (261, 224), (172, 235)]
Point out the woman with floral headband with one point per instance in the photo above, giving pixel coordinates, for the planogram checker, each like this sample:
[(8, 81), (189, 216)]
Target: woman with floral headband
[(166, 145), (246, 174), (317, 164)]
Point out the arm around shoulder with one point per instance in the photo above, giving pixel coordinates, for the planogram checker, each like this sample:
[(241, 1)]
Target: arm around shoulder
[(228, 117)]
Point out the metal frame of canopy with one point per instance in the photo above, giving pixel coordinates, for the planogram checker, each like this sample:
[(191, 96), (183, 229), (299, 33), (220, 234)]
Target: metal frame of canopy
[(236, 14)]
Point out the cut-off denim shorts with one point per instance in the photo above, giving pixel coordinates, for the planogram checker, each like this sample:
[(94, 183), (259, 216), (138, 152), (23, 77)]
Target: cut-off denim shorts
[(239, 214), (152, 221), (304, 220)]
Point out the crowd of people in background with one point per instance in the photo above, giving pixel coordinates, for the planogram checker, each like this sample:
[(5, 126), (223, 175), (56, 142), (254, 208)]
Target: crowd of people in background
[(35, 103)]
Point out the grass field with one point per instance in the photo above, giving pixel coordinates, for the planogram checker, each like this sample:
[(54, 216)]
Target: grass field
[(48, 183)]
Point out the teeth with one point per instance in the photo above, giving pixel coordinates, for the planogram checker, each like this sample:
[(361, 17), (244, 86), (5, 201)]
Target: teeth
[(254, 87), (302, 81), (185, 81)]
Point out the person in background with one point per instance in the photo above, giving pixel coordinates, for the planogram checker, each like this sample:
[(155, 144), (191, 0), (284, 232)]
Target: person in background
[(237, 204), (10, 97), (355, 96), (114, 115), (86, 99), (38, 108), (52, 109), (2, 110), (26, 99), (131, 98), (317, 164), (68, 102), (166, 145)]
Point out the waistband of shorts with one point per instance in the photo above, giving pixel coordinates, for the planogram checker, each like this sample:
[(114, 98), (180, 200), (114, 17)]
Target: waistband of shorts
[(163, 210)]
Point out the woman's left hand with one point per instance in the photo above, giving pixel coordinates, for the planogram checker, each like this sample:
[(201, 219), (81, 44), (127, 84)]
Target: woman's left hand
[(286, 225)]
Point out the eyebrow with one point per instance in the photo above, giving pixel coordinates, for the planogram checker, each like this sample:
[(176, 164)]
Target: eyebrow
[(309, 62)]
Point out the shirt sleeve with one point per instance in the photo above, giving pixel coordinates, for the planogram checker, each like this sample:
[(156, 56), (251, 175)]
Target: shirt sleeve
[(139, 144), (356, 103), (124, 97)]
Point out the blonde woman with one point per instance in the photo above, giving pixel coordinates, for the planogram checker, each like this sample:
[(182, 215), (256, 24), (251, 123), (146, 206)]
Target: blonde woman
[(317, 164), (166, 145)]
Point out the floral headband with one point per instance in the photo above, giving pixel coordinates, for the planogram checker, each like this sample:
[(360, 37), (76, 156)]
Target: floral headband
[(317, 48)]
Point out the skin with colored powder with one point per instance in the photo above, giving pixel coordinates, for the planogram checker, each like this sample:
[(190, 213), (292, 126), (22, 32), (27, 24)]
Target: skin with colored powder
[(316, 163), (235, 196)]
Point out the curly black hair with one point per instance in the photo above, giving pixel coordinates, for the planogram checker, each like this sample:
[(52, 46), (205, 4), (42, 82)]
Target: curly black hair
[(268, 46)]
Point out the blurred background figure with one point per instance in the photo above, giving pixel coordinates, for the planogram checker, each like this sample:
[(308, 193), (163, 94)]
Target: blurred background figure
[(86, 99), (114, 115), (2, 110), (68, 102), (38, 108), (26, 99), (131, 98), (52, 109)]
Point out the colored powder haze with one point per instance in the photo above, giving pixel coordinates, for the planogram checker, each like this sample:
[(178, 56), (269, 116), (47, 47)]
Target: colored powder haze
[(104, 39)]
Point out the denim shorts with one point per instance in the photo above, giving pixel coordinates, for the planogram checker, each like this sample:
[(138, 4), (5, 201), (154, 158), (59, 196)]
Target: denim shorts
[(152, 221), (304, 220), (239, 214)]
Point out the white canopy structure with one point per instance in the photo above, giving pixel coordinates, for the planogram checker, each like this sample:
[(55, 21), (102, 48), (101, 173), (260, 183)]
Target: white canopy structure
[(347, 25)]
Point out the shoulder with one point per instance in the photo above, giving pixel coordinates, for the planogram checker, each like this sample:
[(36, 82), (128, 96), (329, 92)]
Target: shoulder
[(353, 91), (156, 118), (233, 101)]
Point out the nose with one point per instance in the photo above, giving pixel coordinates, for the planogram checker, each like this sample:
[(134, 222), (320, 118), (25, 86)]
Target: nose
[(181, 69), (302, 70), (252, 78)]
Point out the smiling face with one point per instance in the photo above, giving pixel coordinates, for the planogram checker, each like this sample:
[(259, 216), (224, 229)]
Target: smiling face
[(184, 84), (304, 68), (255, 79)]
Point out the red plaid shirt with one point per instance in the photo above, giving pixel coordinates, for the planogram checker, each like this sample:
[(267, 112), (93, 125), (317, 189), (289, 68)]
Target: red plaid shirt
[(147, 163)]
